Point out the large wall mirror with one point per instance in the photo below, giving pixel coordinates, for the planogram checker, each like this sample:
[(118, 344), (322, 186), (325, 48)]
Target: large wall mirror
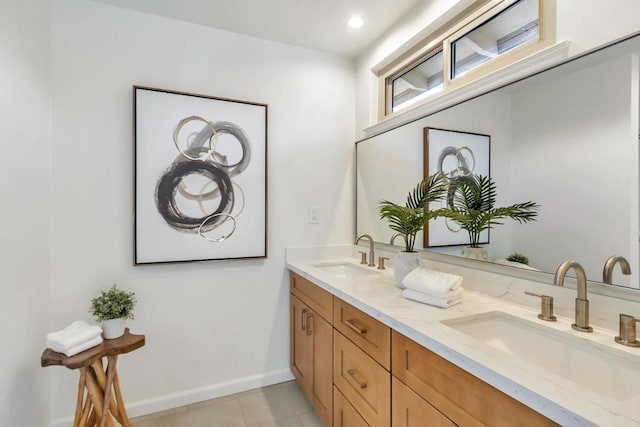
[(566, 138)]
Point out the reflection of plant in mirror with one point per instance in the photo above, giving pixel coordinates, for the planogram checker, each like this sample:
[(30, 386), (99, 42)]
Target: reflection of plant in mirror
[(473, 207), (518, 257), (408, 220)]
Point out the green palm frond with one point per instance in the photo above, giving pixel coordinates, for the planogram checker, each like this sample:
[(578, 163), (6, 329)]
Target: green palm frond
[(430, 189), (408, 220), (472, 206)]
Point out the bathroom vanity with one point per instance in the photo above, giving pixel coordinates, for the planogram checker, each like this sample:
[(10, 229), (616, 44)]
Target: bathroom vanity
[(365, 356)]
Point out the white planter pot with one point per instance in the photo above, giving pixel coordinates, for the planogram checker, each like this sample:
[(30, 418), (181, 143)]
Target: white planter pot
[(475, 253), (113, 328), (404, 263)]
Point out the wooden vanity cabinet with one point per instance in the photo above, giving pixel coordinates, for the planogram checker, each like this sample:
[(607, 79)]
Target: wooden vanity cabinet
[(344, 414), (410, 410), (357, 372), (311, 347), (463, 398)]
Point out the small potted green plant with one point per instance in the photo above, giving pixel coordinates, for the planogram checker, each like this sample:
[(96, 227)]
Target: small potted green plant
[(472, 205), (519, 258), (113, 308), (411, 218)]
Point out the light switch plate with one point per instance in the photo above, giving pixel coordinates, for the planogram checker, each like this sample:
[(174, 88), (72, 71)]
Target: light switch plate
[(314, 215)]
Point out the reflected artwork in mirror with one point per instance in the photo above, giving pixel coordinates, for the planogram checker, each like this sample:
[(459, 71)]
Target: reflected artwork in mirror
[(458, 156), (566, 138)]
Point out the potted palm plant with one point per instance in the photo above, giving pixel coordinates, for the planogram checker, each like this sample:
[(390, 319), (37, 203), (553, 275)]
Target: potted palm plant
[(409, 219), (113, 308), (471, 203)]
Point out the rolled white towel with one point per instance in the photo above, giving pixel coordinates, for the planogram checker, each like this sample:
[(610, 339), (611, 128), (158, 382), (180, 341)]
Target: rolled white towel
[(80, 347), (431, 282), (79, 332), (455, 297)]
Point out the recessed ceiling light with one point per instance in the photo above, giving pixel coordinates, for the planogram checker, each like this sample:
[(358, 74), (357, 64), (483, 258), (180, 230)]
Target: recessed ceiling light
[(355, 22)]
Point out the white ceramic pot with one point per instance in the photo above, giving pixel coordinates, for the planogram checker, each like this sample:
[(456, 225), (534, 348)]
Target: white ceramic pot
[(113, 328), (475, 253), (404, 263)]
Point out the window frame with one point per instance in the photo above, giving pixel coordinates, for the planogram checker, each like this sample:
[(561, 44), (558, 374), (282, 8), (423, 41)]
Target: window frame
[(442, 38), (419, 60)]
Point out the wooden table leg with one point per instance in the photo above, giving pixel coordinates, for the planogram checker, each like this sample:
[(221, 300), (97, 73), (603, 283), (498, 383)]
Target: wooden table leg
[(86, 414), (102, 381), (80, 401), (91, 422), (111, 369), (116, 390), (95, 394)]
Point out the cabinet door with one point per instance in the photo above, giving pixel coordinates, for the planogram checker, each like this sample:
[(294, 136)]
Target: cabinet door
[(460, 396), (410, 410), (321, 334), (345, 415), (301, 349)]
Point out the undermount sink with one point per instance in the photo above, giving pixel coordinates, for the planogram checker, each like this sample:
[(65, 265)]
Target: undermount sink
[(602, 369), (344, 270)]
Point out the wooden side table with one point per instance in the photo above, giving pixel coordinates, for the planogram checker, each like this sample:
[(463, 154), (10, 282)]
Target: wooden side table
[(99, 396)]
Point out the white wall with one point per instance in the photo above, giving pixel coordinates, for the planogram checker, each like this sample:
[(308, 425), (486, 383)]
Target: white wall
[(575, 152), (211, 327), (585, 23), (591, 23), (24, 237)]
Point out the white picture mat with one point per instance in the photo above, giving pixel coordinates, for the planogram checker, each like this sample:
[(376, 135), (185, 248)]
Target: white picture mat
[(438, 140), (157, 114)]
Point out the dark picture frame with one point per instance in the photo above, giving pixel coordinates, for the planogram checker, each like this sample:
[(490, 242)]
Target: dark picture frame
[(456, 154), (200, 177)]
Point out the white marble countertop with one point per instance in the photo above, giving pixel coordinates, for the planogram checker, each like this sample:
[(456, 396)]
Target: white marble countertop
[(561, 400)]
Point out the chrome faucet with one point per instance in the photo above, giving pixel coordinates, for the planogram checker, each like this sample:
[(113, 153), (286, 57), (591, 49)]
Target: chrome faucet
[(607, 271), (393, 238), (582, 303), (371, 253)]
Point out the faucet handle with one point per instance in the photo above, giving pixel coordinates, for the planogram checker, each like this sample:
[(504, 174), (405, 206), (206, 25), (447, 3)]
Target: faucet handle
[(363, 257), (381, 260), (627, 334), (546, 307)]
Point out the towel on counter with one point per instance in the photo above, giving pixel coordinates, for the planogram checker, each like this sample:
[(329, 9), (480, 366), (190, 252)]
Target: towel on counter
[(78, 348), (76, 335), (452, 298), (431, 282)]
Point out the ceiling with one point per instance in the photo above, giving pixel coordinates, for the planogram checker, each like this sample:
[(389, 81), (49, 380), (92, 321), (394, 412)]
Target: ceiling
[(314, 24)]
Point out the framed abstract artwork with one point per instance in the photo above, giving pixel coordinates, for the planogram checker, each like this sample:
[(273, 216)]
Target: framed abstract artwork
[(200, 177), (457, 155)]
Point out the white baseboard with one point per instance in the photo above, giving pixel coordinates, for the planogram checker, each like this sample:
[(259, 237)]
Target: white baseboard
[(195, 395)]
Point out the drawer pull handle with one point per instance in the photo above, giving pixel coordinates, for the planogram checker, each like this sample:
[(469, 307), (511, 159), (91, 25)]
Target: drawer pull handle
[(353, 373), (352, 324), (309, 323)]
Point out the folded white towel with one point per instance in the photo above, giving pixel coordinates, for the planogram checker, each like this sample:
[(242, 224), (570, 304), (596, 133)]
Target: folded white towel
[(79, 332), (431, 282), (455, 297), (80, 347)]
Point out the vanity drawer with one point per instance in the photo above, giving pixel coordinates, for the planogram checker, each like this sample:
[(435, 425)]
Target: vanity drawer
[(345, 415), (410, 410), (366, 332), (314, 296), (461, 397), (365, 384)]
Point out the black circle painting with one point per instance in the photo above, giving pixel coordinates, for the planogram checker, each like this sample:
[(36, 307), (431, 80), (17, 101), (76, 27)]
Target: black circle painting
[(200, 177)]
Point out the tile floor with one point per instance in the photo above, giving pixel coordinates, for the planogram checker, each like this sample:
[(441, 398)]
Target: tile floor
[(280, 405)]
